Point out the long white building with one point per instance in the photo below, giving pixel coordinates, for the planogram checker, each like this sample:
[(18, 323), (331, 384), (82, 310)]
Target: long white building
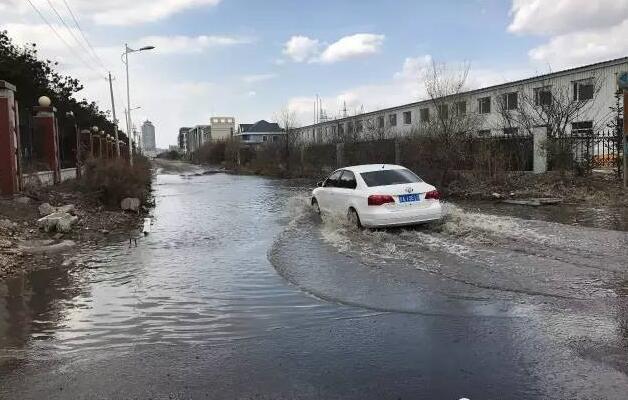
[(594, 84)]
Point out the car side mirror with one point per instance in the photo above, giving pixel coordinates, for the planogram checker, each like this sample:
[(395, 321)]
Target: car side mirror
[(319, 183)]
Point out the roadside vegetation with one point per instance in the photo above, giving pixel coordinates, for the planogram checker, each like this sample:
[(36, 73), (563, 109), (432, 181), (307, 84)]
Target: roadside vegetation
[(110, 181)]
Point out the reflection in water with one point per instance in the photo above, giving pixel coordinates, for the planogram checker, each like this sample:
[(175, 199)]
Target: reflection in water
[(32, 307), (202, 275)]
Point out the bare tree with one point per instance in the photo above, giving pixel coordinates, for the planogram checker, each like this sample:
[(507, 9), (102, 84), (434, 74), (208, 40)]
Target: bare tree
[(286, 119), (447, 126), (555, 106)]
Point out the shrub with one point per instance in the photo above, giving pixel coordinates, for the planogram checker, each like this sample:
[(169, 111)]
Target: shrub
[(211, 153), (113, 180)]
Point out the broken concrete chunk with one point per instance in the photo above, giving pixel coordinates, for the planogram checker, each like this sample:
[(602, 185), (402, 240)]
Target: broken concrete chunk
[(46, 209), (64, 225), (68, 208), (58, 221)]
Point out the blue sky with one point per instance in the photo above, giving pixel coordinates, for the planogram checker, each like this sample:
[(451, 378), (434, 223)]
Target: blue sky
[(250, 59)]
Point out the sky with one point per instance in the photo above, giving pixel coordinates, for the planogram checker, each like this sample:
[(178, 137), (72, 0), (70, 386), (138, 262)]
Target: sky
[(250, 59)]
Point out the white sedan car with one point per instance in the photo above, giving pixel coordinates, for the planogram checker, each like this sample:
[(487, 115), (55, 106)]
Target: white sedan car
[(378, 195)]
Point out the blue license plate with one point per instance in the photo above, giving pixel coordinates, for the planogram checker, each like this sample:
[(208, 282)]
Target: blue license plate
[(407, 198)]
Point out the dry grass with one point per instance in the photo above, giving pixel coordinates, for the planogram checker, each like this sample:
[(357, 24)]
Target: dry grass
[(113, 180)]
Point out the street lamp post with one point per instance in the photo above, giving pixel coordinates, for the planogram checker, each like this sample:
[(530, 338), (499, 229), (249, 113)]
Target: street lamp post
[(127, 51)]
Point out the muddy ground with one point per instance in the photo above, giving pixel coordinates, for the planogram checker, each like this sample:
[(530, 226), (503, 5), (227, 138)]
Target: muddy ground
[(25, 247), (601, 188)]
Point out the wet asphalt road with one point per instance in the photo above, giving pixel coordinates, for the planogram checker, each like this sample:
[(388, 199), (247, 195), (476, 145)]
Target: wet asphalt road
[(240, 293)]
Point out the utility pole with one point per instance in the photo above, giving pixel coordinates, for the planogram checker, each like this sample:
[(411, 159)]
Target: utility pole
[(115, 120), (128, 104), (622, 84)]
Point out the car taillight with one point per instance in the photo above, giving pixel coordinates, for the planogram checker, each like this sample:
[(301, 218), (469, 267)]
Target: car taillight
[(432, 195), (379, 199)]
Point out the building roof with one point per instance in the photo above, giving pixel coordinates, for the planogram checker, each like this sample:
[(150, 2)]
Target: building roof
[(245, 127), (264, 126), (536, 78)]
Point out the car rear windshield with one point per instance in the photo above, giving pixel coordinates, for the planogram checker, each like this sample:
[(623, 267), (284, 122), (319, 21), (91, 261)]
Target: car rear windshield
[(387, 177)]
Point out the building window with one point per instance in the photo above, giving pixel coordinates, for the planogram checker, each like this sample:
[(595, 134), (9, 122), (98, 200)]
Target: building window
[(407, 117), (582, 128), (511, 131), (380, 122), (264, 138), (484, 132), (543, 96), (392, 119), (341, 129), (461, 107), (358, 126), (275, 138), (583, 90), (484, 105), (424, 115), (349, 127), (511, 101), (443, 111), (245, 137)]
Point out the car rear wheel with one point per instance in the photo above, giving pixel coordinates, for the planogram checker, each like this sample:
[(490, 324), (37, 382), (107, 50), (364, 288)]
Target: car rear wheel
[(354, 218), (315, 206)]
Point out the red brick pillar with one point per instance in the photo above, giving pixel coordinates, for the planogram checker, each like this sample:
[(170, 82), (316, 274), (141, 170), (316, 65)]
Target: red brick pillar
[(46, 126), (10, 174)]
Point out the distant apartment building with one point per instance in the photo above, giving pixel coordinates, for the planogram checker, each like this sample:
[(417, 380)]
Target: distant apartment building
[(222, 127), (148, 136), (594, 84), (182, 138), (197, 136), (259, 133)]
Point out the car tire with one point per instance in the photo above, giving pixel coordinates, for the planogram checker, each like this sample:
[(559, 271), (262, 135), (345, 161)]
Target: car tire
[(315, 206), (354, 218)]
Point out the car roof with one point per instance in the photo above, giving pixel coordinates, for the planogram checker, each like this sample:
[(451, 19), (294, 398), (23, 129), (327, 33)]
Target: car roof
[(371, 167)]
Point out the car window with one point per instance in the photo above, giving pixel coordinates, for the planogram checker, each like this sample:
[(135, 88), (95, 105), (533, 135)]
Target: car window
[(387, 177), (347, 180), (333, 179)]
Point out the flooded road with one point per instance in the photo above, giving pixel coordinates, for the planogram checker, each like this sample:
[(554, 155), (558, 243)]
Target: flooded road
[(240, 292)]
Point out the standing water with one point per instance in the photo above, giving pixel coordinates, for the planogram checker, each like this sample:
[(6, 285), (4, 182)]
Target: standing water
[(239, 292)]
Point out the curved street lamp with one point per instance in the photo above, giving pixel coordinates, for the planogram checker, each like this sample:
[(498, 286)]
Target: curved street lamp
[(125, 60)]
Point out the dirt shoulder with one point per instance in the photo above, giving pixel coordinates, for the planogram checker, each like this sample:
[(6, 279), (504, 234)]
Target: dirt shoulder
[(24, 246), (598, 189), (172, 167)]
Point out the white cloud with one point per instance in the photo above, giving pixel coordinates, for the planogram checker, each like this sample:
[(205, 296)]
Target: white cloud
[(563, 16), (252, 93), (39, 34), (586, 47), (404, 87), (301, 48), (189, 44), (580, 31), (304, 49), (258, 78), (116, 12), (123, 12), (413, 67), (357, 45)]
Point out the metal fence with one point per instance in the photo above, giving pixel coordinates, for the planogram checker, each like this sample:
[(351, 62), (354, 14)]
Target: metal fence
[(585, 150)]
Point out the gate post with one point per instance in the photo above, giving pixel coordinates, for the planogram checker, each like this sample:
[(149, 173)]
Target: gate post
[(10, 174), (397, 151), (539, 136), (340, 148), (46, 126)]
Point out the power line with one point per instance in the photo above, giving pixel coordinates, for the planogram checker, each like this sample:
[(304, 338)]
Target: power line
[(72, 33), (75, 19), (61, 37)]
